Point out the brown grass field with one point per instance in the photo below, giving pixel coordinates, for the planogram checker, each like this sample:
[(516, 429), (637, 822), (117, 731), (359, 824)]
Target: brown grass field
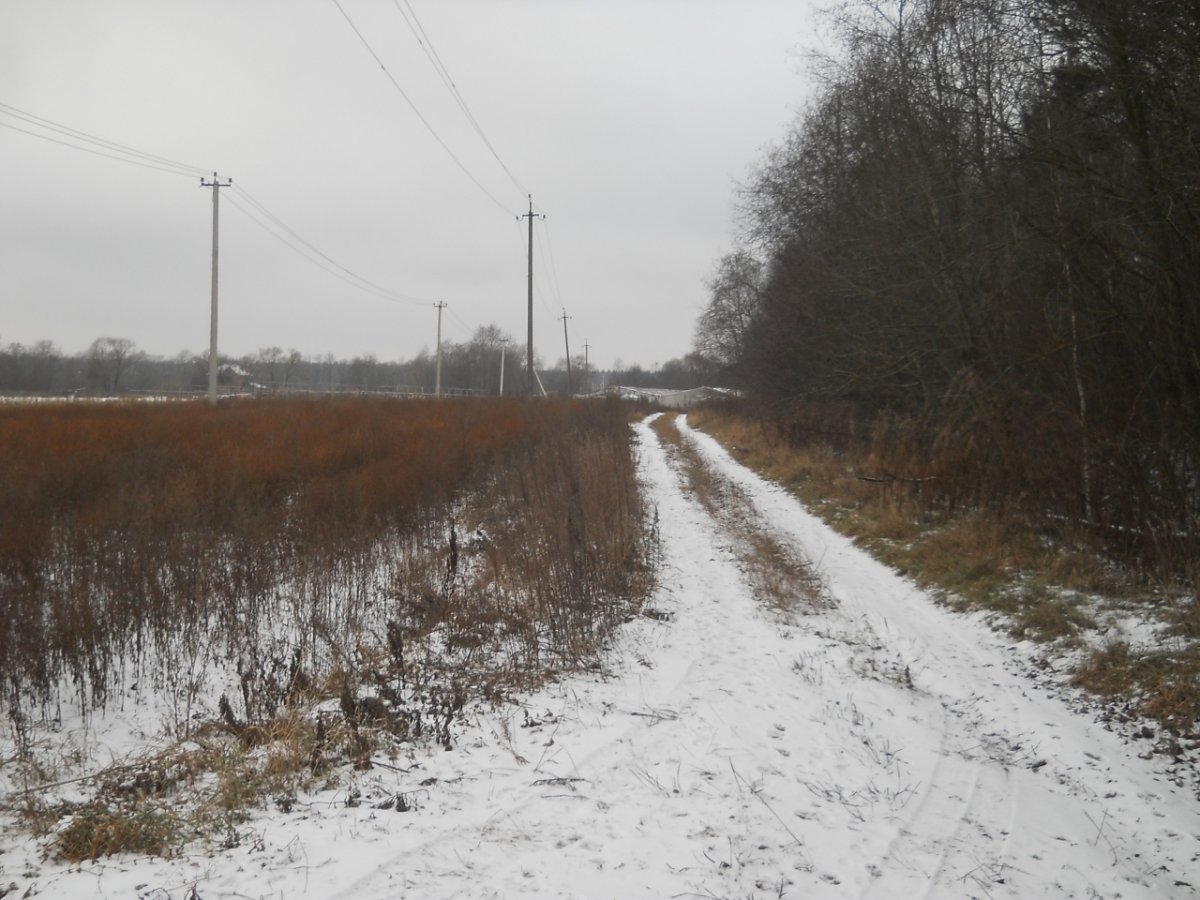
[(141, 541), (400, 560)]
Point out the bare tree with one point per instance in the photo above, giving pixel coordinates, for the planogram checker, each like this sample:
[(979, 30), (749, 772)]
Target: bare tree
[(269, 361), (984, 233), (736, 292), (108, 360)]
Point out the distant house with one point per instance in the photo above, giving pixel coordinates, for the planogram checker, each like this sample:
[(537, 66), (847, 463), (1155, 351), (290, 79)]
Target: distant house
[(232, 375)]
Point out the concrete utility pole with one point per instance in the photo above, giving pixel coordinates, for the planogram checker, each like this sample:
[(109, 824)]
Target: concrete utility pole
[(587, 371), (216, 185), (564, 318), (530, 379), (503, 353), (437, 391)]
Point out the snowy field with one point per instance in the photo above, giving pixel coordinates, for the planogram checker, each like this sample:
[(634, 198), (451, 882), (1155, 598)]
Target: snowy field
[(879, 747)]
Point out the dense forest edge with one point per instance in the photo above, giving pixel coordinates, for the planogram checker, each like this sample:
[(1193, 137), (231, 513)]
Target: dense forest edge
[(974, 262), (964, 316)]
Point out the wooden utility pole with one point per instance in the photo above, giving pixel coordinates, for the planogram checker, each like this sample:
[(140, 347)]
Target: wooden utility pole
[(216, 186), (530, 380), (567, 343), (437, 390)]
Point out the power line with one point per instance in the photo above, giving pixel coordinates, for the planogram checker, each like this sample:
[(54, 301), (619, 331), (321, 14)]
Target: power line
[(286, 228), (469, 329), (264, 219), (257, 212), (551, 279), (269, 222), (416, 111), (78, 140), (435, 59), (66, 130), (553, 264), (549, 253)]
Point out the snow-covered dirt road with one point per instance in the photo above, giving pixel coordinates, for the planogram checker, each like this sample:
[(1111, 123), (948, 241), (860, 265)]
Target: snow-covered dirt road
[(877, 746)]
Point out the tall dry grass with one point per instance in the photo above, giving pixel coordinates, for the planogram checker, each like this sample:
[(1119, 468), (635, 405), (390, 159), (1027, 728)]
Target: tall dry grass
[(152, 544)]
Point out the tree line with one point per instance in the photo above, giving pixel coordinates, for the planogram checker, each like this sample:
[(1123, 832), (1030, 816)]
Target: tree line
[(976, 255), (114, 365)]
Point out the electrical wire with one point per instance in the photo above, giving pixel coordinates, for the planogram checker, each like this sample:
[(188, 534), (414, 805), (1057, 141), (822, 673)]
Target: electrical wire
[(417, 112), (269, 222), (257, 212), (422, 37), (333, 262), (523, 241), (553, 264), (541, 295), (553, 269), (278, 229), (78, 140), (544, 261), (469, 329)]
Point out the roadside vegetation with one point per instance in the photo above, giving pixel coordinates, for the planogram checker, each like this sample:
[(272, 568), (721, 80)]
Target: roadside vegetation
[(293, 588), (1050, 581)]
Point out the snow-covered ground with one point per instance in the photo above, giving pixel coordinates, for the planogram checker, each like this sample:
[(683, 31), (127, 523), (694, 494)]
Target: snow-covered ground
[(881, 747)]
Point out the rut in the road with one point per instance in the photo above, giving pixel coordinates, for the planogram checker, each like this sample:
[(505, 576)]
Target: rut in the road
[(782, 577)]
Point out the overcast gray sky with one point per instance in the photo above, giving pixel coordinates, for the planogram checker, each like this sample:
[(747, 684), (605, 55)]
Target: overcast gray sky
[(629, 121)]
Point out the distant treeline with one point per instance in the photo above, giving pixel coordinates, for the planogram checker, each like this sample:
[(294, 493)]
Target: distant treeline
[(976, 258), (113, 366)]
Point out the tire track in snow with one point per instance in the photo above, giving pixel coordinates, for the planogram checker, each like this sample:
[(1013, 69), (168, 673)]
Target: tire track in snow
[(1033, 821), (892, 835), (923, 839)]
